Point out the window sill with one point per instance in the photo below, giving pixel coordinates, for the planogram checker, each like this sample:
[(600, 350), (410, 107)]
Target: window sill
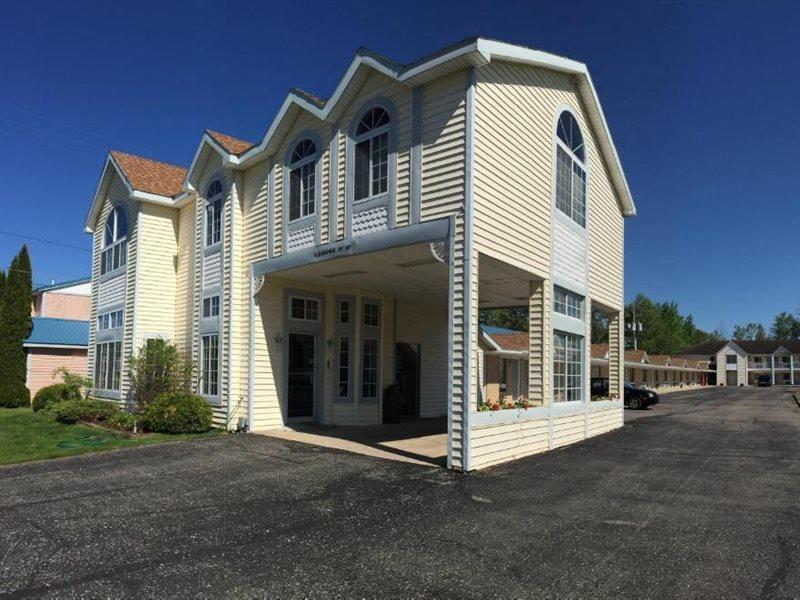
[(372, 201), (301, 222), (212, 249), (113, 274), (106, 394), (213, 400)]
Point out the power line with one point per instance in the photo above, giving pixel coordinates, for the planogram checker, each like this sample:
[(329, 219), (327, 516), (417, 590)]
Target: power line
[(43, 241)]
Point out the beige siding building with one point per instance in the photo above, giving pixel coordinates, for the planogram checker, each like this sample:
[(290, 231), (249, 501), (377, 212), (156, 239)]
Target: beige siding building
[(352, 247), (750, 362)]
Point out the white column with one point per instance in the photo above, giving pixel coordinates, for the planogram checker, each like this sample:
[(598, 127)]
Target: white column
[(791, 369), (772, 362)]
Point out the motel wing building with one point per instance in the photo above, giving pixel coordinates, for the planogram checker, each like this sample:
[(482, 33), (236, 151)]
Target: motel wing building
[(352, 247), (742, 362)]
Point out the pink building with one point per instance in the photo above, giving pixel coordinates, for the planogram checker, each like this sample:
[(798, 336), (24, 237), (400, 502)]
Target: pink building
[(60, 333)]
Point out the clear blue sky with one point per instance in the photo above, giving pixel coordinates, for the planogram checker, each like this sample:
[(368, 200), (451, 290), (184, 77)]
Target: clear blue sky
[(701, 98)]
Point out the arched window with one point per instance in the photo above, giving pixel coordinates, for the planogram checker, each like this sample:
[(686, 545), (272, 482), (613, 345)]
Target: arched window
[(214, 213), (371, 177), (570, 169), (115, 242), (302, 179)]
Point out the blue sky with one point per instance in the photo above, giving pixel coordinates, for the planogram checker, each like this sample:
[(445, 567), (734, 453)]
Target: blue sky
[(700, 98)]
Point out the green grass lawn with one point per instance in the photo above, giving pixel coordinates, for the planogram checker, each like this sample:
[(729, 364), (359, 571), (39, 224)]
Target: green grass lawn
[(27, 435)]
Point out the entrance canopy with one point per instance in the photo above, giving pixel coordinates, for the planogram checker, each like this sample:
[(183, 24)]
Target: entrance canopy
[(409, 263)]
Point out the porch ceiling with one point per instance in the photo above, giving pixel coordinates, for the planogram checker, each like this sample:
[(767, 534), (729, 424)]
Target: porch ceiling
[(502, 285), (410, 273)]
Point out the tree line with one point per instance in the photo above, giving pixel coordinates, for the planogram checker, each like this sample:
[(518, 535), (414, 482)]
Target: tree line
[(785, 326), (664, 330), (15, 327)]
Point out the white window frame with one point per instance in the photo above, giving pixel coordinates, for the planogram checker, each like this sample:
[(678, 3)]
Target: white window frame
[(306, 303), (208, 302), (569, 367), (212, 228), (206, 365), (370, 137), (572, 304), (114, 254), (375, 369), (108, 366), (113, 319), (573, 162), (307, 181), (344, 369)]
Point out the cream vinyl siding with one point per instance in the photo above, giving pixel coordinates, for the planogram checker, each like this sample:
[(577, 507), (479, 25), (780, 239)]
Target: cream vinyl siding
[(443, 146), (427, 326), (155, 272), (516, 109), (115, 194), (184, 288)]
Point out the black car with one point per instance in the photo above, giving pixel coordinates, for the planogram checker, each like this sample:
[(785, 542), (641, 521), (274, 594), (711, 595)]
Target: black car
[(764, 381), (635, 398)]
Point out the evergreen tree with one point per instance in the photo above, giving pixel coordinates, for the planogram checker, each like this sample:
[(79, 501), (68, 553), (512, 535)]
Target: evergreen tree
[(15, 326)]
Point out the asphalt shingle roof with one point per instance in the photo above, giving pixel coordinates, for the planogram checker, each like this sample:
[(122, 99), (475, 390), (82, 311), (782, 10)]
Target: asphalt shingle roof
[(152, 176), (59, 332), (230, 143)]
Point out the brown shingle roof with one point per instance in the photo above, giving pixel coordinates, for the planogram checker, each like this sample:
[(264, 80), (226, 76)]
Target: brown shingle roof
[(517, 341), (634, 355), (230, 143), (314, 99), (678, 362), (658, 359), (151, 176), (599, 350)]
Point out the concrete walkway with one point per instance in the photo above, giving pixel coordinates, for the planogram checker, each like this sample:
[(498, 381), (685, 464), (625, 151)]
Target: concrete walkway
[(421, 442)]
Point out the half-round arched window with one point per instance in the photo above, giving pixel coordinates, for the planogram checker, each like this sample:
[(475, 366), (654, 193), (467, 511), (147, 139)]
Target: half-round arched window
[(302, 179), (213, 213), (115, 241), (371, 176), (570, 169)]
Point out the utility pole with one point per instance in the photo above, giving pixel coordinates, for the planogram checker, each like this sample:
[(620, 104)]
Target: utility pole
[(635, 326)]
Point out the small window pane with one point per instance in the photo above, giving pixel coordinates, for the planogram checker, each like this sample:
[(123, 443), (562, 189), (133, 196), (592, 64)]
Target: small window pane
[(344, 312), (344, 367), (361, 176), (210, 307), (371, 314), (369, 384), (298, 308), (312, 310)]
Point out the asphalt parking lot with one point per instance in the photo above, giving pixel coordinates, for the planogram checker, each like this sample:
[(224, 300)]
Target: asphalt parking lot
[(697, 497)]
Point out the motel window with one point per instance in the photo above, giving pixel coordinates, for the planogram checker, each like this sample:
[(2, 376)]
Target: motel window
[(369, 375), (371, 314), (107, 366), (214, 213), (570, 169), (110, 320), (568, 303), (730, 359), (371, 176), (344, 367), (115, 242), (304, 309), (210, 307), (302, 180), (567, 367), (209, 364), (502, 374)]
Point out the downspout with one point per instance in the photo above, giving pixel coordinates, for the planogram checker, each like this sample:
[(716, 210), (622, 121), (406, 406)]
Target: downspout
[(250, 357), (466, 392)]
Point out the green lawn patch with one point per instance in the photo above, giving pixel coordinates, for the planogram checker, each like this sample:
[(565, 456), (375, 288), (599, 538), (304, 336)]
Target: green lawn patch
[(26, 435)]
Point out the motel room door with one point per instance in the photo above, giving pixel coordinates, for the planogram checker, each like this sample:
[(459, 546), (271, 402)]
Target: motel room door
[(731, 378), (407, 376), (301, 374)]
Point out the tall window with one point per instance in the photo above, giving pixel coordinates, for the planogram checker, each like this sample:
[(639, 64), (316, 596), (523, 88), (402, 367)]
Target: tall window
[(568, 303), (302, 179), (115, 242), (344, 367), (214, 213), (209, 364), (107, 366), (567, 367), (371, 177), (570, 169), (369, 376)]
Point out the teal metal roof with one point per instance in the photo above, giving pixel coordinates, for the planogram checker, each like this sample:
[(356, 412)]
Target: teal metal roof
[(58, 332), (62, 284)]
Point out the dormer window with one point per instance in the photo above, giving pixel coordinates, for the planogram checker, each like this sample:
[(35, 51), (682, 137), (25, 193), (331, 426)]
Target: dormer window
[(115, 242), (214, 213), (302, 179), (570, 169), (371, 177)]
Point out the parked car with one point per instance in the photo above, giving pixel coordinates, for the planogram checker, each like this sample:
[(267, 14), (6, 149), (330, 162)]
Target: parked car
[(764, 381), (635, 398)]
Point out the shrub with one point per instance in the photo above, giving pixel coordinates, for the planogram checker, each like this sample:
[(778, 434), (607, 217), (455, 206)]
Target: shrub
[(157, 368), (178, 412), (46, 397), (73, 410), (122, 420), (79, 384)]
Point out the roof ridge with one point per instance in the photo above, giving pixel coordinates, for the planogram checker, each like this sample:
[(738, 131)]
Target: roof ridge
[(61, 319)]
